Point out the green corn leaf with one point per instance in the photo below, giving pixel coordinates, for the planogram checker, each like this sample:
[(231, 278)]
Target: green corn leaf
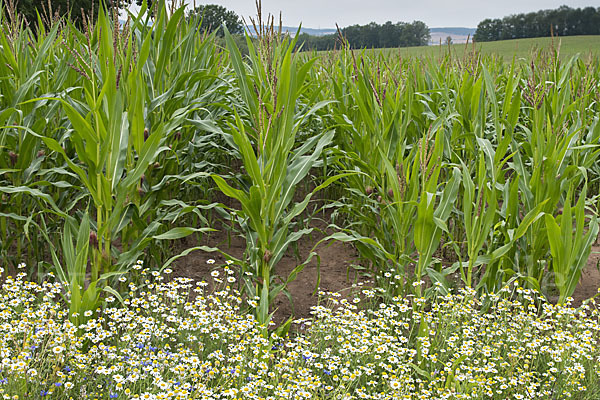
[(113, 292), (177, 233), (120, 145), (263, 306), (35, 193), (248, 155), (531, 217), (229, 191), (150, 151), (556, 248), (424, 225), (75, 303), (192, 249)]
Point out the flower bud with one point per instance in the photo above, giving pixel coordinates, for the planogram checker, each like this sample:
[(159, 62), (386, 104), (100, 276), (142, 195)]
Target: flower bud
[(369, 190), (41, 153), (146, 134)]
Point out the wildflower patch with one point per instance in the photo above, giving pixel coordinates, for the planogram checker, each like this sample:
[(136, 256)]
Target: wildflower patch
[(160, 345)]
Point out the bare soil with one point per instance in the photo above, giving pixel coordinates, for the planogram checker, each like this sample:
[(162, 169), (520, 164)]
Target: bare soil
[(337, 274), (335, 267), (589, 283)]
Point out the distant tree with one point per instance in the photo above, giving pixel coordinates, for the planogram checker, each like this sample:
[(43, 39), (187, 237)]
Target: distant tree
[(488, 30), (30, 9), (418, 34), (400, 34), (448, 40), (388, 35), (563, 21), (214, 16), (319, 43)]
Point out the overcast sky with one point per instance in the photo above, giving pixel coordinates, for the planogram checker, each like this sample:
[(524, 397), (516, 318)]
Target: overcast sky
[(435, 13)]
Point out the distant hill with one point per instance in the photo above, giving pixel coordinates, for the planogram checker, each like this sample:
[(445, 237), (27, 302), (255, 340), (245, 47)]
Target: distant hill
[(458, 34), (293, 29), (454, 31), (310, 31)]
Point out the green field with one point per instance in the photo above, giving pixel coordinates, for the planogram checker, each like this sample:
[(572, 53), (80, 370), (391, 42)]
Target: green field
[(520, 48)]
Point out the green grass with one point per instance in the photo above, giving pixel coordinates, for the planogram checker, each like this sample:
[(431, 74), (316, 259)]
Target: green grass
[(520, 48)]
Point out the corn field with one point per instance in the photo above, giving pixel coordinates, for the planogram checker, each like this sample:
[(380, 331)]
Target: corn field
[(459, 171)]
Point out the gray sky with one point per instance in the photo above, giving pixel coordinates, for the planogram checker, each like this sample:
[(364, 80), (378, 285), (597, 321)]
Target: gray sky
[(435, 13)]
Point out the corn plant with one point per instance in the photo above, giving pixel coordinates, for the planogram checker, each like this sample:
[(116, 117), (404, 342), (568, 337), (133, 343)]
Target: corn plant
[(270, 87), (570, 247), (398, 198), (109, 152)]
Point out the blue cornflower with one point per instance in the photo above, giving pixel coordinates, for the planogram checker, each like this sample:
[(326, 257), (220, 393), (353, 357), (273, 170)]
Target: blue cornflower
[(326, 372), (113, 395), (58, 384), (44, 393), (139, 345)]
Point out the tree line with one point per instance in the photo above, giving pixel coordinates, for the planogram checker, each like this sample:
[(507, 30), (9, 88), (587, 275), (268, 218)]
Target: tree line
[(211, 17), (563, 21), (373, 35)]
